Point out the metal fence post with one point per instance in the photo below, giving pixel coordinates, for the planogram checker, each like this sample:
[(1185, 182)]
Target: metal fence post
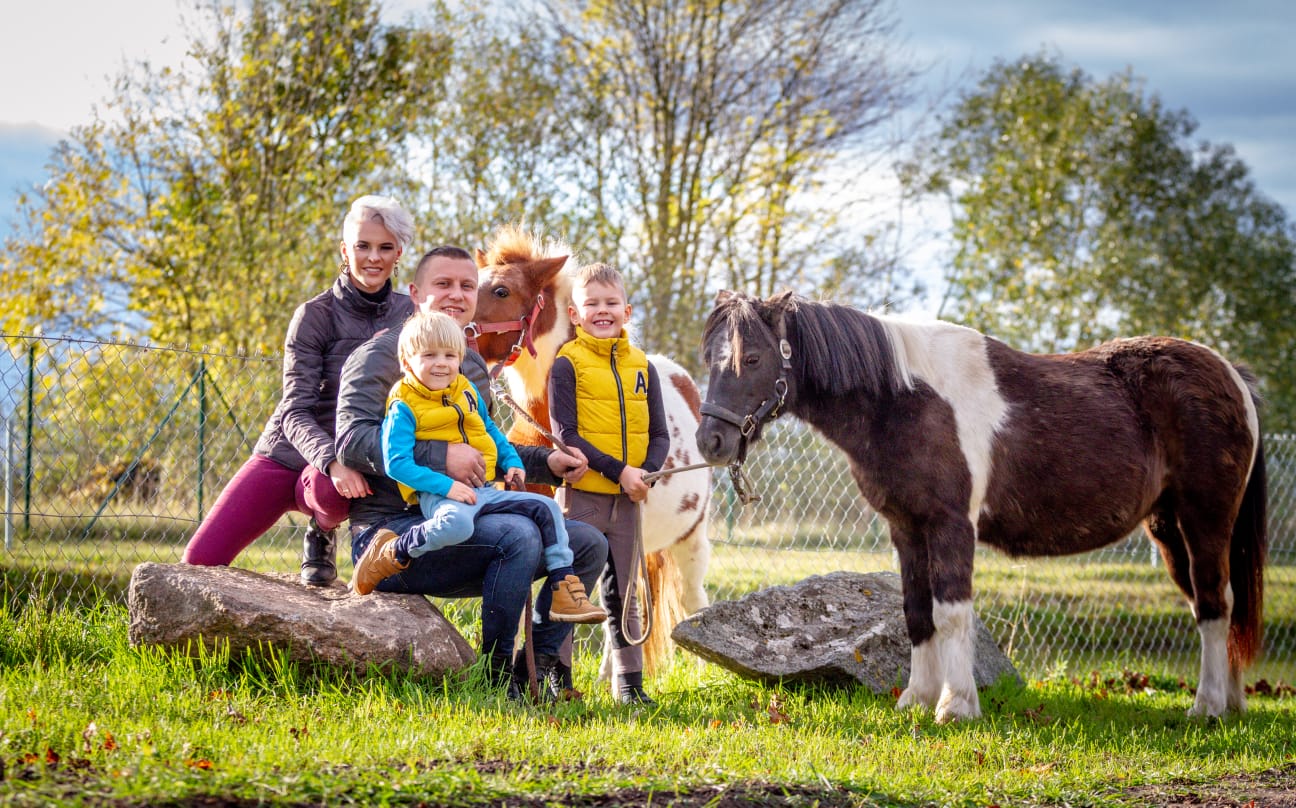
[(31, 428), (8, 481), (202, 431)]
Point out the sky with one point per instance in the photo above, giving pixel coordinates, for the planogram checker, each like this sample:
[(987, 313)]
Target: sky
[(1231, 65)]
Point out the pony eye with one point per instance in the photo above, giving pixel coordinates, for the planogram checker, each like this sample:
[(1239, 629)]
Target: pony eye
[(751, 359), (500, 291)]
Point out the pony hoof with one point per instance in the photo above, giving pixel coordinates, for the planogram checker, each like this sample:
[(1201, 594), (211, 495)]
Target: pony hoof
[(955, 708), (910, 699), (1199, 710)]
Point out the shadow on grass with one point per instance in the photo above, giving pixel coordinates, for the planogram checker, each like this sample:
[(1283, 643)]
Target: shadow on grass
[(21, 586)]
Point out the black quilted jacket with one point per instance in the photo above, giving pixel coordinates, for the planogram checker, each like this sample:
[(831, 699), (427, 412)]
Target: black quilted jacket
[(323, 333)]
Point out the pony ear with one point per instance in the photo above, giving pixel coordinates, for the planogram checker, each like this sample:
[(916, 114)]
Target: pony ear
[(479, 257), (775, 306), (724, 296), (547, 268)]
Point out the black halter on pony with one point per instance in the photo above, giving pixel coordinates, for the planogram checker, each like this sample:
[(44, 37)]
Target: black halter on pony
[(768, 410)]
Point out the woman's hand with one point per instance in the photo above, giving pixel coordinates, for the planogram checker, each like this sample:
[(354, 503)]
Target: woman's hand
[(348, 482)]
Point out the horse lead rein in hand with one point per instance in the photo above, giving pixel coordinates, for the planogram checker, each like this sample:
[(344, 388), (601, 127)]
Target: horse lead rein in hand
[(735, 469), (640, 576), (739, 478)]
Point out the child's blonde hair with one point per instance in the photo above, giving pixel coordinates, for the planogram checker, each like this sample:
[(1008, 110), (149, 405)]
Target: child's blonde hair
[(605, 274), (430, 330)]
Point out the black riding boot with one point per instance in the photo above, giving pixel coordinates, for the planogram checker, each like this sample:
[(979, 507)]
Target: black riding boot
[(553, 677), (500, 672), (629, 689), (319, 550)]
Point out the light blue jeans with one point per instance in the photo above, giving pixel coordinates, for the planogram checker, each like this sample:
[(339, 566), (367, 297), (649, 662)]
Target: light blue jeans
[(450, 521)]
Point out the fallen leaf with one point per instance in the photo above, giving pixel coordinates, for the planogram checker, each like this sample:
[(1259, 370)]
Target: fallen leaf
[(775, 710)]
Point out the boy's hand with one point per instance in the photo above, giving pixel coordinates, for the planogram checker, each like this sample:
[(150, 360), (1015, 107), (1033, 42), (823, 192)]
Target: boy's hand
[(462, 493), (515, 479), (633, 484)]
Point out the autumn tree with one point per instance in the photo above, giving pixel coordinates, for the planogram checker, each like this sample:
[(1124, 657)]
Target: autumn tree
[(1083, 210), (206, 202), (699, 129)]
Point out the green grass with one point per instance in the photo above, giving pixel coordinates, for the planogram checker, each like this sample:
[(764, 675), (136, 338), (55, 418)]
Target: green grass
[(1046, 613), (86, 719)]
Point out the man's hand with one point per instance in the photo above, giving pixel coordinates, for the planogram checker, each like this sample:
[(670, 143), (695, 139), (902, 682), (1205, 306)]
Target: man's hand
[(570, 465), (465, 464)]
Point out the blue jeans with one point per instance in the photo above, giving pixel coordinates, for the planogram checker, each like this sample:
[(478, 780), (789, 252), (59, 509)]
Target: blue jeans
[(452, 522), (497, 564)]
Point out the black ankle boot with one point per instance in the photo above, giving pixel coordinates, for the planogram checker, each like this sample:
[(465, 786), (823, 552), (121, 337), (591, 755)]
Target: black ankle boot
[(629, 689), (500, 672), (319, 551), (555, 678)]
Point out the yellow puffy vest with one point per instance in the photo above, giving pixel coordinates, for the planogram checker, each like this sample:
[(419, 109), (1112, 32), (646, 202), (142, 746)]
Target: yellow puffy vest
[(452, 415), (611, 401)]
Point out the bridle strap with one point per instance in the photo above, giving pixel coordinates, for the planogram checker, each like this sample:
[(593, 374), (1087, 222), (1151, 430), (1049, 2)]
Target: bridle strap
[(523, 327), (769, 409)]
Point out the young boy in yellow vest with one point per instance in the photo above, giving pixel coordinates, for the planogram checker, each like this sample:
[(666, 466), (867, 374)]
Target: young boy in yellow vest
[(434, 401), (604, 398)]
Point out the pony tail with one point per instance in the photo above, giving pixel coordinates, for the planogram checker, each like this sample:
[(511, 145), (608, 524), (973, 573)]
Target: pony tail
[(1248, 552)]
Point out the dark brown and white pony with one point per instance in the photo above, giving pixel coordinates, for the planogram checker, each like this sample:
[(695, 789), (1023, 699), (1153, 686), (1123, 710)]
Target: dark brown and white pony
[(956, 438), (522, 306)]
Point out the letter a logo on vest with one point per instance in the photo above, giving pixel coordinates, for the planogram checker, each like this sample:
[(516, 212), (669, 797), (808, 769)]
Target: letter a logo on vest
[(641, 383), (472, 401)]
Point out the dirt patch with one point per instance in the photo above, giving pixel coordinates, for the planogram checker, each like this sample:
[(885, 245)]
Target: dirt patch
[(1271, 788)]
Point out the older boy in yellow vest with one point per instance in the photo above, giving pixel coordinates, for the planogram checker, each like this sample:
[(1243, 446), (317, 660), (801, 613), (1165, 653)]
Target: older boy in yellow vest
[(434, 401), (604, 398)]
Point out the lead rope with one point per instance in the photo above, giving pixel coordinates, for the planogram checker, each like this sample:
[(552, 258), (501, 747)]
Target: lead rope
[(638, 582), (639, 563)]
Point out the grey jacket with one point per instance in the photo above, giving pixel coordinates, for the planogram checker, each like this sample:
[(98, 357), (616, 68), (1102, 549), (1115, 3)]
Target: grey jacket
[(366, 380), (323, 333)]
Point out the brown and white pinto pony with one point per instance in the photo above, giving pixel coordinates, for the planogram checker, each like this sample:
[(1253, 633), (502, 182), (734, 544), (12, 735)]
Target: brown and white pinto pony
[(956, 438), (519, 270)]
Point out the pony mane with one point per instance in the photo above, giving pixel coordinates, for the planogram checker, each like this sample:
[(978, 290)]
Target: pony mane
[(835, 348), (514, 244), (842, 349)]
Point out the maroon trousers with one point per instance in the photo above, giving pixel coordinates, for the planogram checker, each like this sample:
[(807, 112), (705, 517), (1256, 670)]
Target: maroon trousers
[(260, 493)]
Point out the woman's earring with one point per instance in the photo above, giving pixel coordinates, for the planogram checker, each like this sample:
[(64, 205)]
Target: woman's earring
[(345, 266)]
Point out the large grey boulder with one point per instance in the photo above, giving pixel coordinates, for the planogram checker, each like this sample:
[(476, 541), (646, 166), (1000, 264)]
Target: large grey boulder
[(836, 628), (183, 606)]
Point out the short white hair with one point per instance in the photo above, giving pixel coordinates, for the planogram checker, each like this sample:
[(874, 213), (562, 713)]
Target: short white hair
[(384, 210)]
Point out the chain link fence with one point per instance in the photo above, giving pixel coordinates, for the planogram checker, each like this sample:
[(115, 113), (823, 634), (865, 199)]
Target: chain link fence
[(113, 452)]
